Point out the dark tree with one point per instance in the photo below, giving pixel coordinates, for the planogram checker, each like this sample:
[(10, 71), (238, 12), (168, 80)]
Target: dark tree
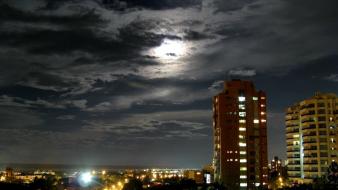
[(46, 183), (332, 173), (12, 186), (133, 184)]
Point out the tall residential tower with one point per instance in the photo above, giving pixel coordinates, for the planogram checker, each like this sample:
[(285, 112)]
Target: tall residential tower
[(240, 136), (311, 137)]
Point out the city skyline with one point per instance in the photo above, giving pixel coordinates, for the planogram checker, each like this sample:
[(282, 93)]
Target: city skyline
[(131, 82)]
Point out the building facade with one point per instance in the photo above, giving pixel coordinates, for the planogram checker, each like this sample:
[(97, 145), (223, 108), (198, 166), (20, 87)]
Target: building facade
[(311, 137), (240, 136), (276, 165)]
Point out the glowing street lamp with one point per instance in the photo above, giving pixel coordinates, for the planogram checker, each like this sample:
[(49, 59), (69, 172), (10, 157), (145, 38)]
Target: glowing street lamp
[(119, 183), (85, 179)]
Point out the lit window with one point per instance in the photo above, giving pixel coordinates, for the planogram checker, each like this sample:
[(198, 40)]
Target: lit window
[(241, 98), (263, 120), (231, 160), (254, 98), (241, 114), (242, 176), (243, 184), (262, 113), (242, 160), (256, 121), (257, 184), (262, 105), (241, 136), (242, 144), (236, 160), (242, 129), (241, 106), (263, 98), (296, 136), (242, 121), (242, 152), (230, 151), (242, 169)]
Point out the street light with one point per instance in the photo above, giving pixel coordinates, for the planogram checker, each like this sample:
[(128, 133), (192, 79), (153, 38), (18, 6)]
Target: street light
[(85, 179)]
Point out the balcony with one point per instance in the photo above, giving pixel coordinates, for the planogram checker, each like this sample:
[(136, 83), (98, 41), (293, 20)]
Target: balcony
[(309, 127), (310, 156), (293, 150), (294, 163), (310, 170), (290, 124), (312, 112), (293, 169), (291, 118), (310, 148), (309, 141), (307, 106), (310, 163), (294, 157), (292, 131), (308, 120), (288, 138), (294, 176), (310, 134)]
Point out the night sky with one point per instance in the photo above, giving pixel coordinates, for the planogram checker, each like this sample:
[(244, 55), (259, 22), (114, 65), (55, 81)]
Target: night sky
[(130, 82)]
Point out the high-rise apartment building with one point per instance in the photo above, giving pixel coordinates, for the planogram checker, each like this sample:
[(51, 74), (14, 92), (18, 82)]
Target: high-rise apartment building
[(240, 136), (311, 136), (276, 165)]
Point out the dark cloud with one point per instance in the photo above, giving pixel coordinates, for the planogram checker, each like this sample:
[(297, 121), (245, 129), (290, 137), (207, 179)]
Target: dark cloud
[(84, 18), (231, 5), (242, 72), (194, 35), (151, 4), (332, 77)]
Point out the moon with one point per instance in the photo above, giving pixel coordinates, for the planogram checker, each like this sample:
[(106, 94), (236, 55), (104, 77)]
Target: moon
[(169, 50)]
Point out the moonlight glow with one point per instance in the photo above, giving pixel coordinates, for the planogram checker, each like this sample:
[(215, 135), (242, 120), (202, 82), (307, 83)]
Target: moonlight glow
[(169, 49)]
